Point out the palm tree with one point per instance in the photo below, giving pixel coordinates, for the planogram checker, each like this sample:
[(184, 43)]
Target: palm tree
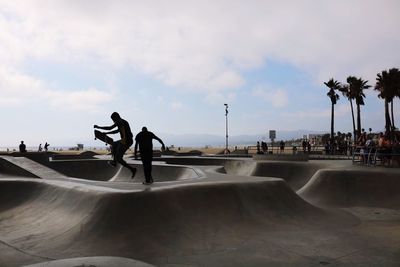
[(396, 93), (359, 86), (332, 85), (386, 85), (348, 91)]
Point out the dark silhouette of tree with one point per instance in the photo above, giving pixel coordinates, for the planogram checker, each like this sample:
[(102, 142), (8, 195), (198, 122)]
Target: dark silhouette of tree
[(333, 85), (396, 94), (348, 91), (359, 86), (387, 83)]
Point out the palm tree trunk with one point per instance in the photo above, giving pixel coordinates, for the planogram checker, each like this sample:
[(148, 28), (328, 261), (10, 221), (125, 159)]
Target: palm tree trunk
[(388, 124), (354, 123), (358, 120), (391, 107), (332, 124)]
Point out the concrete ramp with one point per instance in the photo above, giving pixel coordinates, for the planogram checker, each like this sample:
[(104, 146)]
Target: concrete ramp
[(100, 170), (34, 168), (160, 173), (296, 174), (345, 215), (9, 167), (62, 220), (93, 262), (346, 188)]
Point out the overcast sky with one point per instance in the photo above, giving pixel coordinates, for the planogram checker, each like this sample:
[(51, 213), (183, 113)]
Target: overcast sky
[(171, 65)]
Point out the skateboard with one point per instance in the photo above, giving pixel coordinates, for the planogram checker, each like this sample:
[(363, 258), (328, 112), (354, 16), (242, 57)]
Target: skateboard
[(103, 137)]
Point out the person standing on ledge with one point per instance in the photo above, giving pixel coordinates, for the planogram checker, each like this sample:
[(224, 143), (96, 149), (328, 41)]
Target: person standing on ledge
[(119, 147), (144, 140), (22, 147)]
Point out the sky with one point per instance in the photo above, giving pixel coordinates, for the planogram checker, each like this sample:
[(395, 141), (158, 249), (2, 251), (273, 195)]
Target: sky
[(171, 65)]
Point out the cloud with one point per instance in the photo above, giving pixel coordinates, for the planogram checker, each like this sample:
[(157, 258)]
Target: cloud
[(341, 110), (177, 106), (219, 97), (84, 100), (205, 45), (276, 97), (18, 90)]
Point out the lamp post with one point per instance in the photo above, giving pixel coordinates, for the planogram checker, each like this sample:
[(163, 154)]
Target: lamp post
[(226, 128)]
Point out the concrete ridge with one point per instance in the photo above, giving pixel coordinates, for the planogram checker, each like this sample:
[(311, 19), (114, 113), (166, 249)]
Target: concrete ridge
[(353, 187), (78, 221), (8, 168), (240, 212), (35, 168), (98, 261)]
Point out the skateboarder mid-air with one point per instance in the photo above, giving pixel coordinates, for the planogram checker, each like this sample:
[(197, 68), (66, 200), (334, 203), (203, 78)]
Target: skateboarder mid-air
[(118, 148)]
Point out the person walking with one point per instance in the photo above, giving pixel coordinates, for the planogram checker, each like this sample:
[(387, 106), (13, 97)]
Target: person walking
[(118, 148), (144, 140)]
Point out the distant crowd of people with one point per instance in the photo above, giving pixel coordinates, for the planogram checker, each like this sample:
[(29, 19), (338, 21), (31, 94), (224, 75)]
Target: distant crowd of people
[(385, 145), (262, 148)]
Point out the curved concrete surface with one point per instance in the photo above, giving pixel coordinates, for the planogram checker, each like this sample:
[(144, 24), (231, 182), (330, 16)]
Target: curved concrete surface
[(232, 216), (100, 170), (296, 174), (148, 224), (353, 188), (92, 262), (9, 169)]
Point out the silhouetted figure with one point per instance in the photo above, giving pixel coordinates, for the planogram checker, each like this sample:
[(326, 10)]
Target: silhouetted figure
[(327, 147), (282, 146), (144, 140), (46, 146), (118, 148), (264, 147), (362, 138), (22, 147), (258, 148), (40, 148), (304, 145)]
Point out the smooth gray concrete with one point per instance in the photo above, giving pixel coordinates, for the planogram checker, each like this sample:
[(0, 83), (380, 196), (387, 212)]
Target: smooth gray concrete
[(206, 212), (92, 262)]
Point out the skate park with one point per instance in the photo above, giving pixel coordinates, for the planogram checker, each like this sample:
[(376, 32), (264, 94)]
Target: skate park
[(201, 211)]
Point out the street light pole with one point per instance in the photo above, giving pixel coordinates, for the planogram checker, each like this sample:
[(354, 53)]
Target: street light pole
[(226, 128)]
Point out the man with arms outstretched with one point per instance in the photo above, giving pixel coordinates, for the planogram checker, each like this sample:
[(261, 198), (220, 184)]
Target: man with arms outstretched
[(145, 141), (118, 148)]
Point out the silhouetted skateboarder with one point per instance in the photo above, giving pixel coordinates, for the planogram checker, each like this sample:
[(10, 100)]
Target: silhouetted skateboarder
[(145, 141), (118, 148)]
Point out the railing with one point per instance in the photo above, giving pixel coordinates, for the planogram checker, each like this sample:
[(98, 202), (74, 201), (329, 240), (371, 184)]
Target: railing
[(372, 155), (314, 152)]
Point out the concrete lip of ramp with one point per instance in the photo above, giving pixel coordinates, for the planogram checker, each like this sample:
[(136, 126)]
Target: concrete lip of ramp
[(101, 261), (100, 170), (227, 217)]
